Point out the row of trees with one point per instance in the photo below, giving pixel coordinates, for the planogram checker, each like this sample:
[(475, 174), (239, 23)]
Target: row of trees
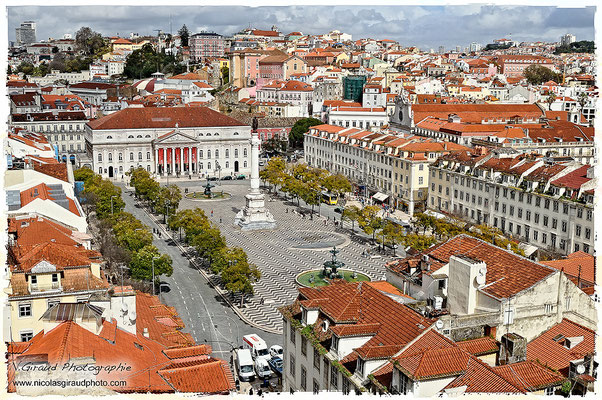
[(303, 182), (582, 46), (123, 238), (384, 232), (443, 229), (538, 74), (230, 263)]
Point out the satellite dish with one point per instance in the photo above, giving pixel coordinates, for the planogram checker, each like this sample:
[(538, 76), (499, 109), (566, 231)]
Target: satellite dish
[(132, 315), (580, 369), (480, 279), (439, 324), (124, 307), (482, 270)]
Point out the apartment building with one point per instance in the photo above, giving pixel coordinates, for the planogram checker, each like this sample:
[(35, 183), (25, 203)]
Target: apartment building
[(206, 44), (546, 203), (335, 336), (392, 168), (477, 289), (63, 129)]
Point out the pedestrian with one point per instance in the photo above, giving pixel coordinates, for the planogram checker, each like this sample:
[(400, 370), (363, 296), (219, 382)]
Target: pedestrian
[(220, 220), (251, 391), (212, 213), (259, 392), (287, 210)]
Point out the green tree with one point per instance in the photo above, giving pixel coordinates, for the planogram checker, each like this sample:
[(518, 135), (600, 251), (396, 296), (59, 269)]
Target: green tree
[(351, 214), (144, 62), (208, 243), (108, 198), (184, 35), (538, 74), (274, 173), (582, 99), (239, 278), (226, 257), (550, 100), (26, 67), (130, 233), (391, 234), (141, 265), (311, 194), (338, 184), (299, 129), (419, 242), (293, 187), (168, 199), (369, 220), (192, 222), (88, 42), (225, 75)]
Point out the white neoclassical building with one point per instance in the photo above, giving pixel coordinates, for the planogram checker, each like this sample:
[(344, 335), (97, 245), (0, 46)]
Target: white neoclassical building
[(174, 141)]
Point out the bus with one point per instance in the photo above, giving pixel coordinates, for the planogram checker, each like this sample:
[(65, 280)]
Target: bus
[(329, 198)]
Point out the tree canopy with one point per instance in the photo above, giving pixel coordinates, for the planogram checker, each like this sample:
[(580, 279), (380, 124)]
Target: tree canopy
[(146, 61), (538, 74), (301, 127), (582, 46), (90, 43), (184, 35)]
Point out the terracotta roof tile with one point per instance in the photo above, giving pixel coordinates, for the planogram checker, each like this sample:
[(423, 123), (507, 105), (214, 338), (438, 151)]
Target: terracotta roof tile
[(555, 354), (479, 346), (529, 375), (158, 117)]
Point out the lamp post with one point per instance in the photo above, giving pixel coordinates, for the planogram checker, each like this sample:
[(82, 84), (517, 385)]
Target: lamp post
[(153, 269), (219, 171)]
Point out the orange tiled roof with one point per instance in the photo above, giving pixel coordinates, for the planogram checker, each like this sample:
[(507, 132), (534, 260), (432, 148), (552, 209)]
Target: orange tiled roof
[(576, 264), (529, 375), (479, 346), (507, 273), (555, 354)]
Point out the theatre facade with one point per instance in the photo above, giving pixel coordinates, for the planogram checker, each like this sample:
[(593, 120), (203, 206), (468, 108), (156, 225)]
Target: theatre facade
[(178, 141)]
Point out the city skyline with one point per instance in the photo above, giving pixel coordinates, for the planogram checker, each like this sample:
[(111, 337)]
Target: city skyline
[(409, 25)]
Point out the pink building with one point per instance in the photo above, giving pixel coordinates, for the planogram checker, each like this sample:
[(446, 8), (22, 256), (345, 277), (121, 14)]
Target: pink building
[(514, 65), (206, 44)]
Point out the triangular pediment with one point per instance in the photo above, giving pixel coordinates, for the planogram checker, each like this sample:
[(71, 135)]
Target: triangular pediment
[(176, 136), (43, 266)]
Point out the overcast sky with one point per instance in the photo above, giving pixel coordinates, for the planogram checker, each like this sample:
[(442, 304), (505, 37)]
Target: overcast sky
[(425, 27)]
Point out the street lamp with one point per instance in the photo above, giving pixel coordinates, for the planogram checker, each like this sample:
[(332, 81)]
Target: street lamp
[(219, 171), (153, 268)]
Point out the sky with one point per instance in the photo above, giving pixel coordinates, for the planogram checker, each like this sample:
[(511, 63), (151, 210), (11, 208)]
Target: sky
[(422, 26)]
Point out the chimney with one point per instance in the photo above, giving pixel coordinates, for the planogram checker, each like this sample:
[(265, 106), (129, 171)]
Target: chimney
[(145, 333), (466, 275), (513, 349)]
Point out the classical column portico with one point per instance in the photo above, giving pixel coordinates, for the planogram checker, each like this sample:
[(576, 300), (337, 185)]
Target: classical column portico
[(181, 161), (156, 166), (164, 172), (189, 160)]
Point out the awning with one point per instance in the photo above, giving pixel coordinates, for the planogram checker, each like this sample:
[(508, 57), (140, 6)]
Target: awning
[(380, 196)]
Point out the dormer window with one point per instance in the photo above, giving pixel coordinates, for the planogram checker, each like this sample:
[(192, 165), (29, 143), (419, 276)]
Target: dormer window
[(360, 366), (304, 317), (335, 343)]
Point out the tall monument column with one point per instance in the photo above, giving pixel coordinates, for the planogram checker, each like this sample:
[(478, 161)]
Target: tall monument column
[(255, 216)]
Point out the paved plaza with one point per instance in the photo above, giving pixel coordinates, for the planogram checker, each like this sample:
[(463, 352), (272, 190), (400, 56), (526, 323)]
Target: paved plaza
[(296, 245)]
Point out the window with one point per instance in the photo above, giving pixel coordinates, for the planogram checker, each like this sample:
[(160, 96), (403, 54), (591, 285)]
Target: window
[(110, 157), (554, 223), (538, 202), (100, 170), (55, 278), (508, 315), (345, 389), (293, 333), (548, 308), (131, 156), (565, 208), (139, 156), (244, 164), (555, 206), (148, 155), (544, 238), (420, 180), (317, 359), (588, 233), (578, 230), (25, 310), (34, 279), (536, 218), (227, 153), (334, 377), (535, 234), (545, 220), (547, 204), (26, 336), (208, 153), (441, 283), (580, 213), (564, 226), (519, 212), (316, 387), (292, 364), (120, 156), (303, 378), (304, 346), (589, 215), (99, 157)]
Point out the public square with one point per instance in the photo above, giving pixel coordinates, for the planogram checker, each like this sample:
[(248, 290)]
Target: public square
[(297, 244)]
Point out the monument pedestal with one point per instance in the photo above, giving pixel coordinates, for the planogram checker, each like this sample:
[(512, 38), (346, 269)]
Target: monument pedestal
[(255, 216)]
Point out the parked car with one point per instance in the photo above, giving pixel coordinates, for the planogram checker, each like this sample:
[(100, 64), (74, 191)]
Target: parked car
[(226, 178), (276, 364), (262, 368), (241, 176), (276, 351), (338, 210), (256, 345), (212, 178)]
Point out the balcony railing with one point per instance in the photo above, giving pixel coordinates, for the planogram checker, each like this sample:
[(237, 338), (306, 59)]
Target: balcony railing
[(36, 287)]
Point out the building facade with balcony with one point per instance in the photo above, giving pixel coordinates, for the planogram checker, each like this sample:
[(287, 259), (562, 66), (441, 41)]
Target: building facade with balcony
[(536, 200)]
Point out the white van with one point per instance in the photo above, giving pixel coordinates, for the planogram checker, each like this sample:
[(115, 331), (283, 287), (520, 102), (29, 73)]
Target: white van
[(256, 345), (244, 365), (262, 368)]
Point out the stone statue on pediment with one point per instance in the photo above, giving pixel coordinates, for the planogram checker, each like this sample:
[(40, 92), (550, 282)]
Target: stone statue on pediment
[(254, 124)]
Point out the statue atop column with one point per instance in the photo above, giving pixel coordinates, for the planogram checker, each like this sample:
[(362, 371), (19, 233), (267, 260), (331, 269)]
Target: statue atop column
[(255, 215)]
